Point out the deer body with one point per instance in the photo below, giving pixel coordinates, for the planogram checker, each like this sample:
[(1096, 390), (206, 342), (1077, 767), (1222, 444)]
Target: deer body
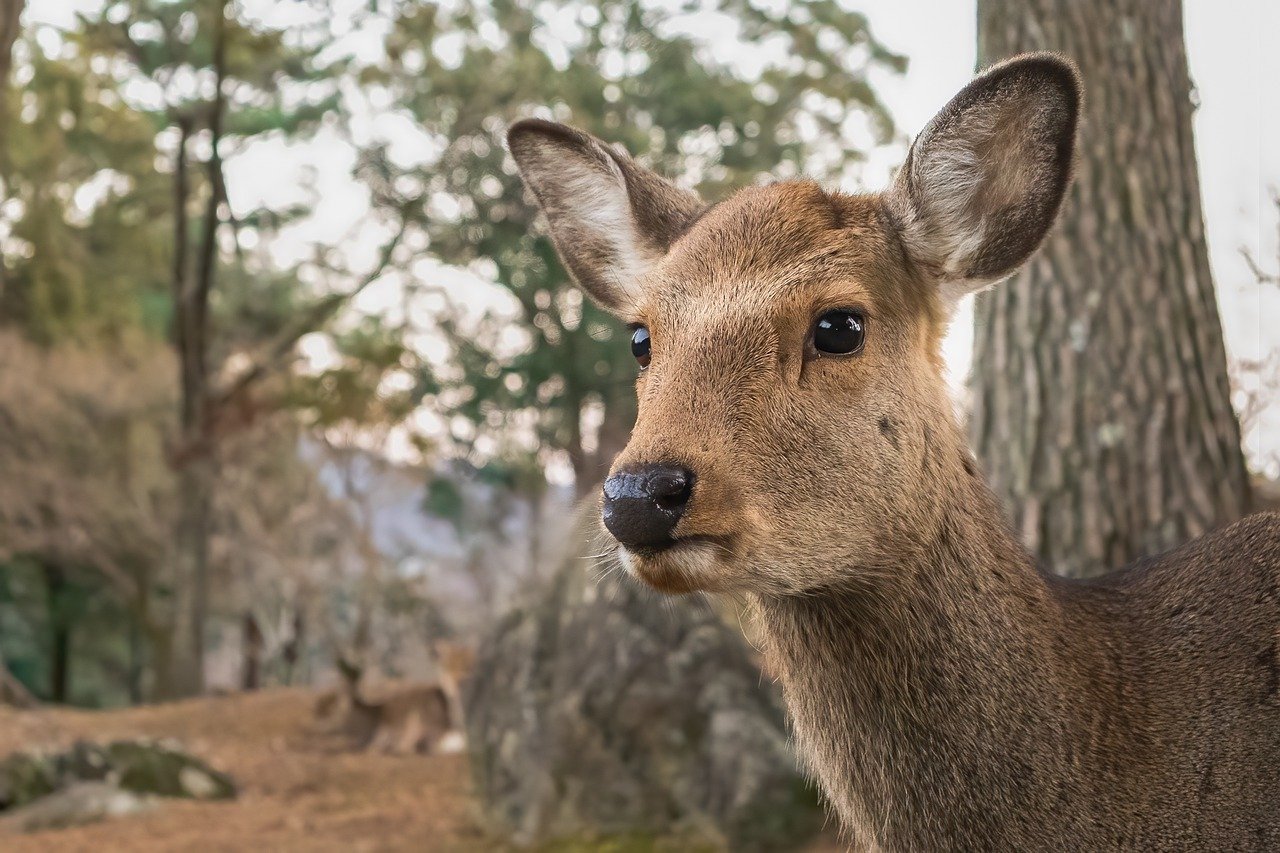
[(980, 704), (795, 443)]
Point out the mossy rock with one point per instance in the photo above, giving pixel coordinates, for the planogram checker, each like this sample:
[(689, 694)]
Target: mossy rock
[(139, 766), (25, 777), (152, 768)]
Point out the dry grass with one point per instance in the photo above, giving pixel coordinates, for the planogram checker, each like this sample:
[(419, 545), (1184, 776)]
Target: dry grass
[(294, 794)]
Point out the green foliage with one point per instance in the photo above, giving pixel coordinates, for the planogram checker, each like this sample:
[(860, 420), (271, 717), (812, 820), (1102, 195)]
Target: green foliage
[(355, 389), (98, 625), (90, 256), (164, 40), (624, 71), (444, 498)]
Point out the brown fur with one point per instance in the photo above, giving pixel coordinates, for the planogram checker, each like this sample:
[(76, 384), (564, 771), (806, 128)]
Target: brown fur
[(404, 720), (946, 693)]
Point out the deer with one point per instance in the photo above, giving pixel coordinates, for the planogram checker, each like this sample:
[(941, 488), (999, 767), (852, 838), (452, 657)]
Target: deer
[(796, 446)]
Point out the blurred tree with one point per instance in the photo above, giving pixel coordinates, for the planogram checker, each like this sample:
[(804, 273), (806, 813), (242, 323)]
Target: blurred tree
[(12, 692), (85, 500), (556, 370), (112, 163), (85, 254), (197, 52), (222, 79), (1101, 404)]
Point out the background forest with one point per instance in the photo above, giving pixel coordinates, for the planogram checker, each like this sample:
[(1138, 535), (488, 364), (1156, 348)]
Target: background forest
[(296, 399)]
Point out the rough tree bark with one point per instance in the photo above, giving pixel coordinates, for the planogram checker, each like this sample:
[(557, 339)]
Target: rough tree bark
[(1101, 406)]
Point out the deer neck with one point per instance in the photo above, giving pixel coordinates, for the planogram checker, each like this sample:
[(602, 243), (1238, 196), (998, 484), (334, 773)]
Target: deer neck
[(935, 703)]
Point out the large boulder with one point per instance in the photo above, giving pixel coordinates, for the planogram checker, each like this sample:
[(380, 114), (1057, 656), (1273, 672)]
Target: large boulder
[(601, 709)]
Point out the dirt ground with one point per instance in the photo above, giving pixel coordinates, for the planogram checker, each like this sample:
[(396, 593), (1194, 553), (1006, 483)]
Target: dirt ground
[(294, 794)]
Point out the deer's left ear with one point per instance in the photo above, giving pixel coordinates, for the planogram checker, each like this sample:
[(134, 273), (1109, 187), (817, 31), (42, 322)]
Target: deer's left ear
[(984, 180)]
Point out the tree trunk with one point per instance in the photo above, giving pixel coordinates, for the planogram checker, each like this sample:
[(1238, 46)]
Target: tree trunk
[(60, 623), (184, 652), (191, 580), (192, 330), (196, 473), (251, 640), (1100, 399), (10, 15)]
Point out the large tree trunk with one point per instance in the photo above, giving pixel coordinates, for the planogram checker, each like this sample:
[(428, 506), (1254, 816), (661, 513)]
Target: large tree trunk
[(1101, 405)]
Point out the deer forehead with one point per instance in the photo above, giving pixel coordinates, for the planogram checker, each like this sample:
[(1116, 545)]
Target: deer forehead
[(772, 255)]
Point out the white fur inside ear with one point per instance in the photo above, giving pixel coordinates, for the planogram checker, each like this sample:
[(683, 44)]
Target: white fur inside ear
[(603, 208), (942, 225)]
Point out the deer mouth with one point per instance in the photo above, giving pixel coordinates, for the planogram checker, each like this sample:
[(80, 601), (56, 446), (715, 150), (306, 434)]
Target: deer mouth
[(687, 565)]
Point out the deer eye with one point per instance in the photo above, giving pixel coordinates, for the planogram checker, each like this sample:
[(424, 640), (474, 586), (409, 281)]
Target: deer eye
[(640, 345), (839, 332)]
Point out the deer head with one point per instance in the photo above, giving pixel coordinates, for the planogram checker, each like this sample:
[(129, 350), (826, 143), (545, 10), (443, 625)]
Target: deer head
[(794, 428)]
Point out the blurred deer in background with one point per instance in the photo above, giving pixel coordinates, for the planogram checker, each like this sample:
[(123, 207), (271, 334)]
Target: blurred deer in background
[(796, 442)]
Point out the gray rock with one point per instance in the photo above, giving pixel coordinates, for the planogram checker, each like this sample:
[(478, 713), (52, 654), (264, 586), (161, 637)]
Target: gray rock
[(602, 709), (74, 805)]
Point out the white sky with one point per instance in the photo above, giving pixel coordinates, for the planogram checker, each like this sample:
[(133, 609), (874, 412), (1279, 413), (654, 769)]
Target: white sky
[(1233, 64)]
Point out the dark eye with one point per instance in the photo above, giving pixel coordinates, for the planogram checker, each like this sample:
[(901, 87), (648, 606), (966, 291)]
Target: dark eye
[(640, 345), (839, 332)]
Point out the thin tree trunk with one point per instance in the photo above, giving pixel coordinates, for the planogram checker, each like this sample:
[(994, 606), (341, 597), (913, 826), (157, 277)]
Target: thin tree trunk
[(10, 17), (176, 660), (59, 633), (1101, 406), (251, 652), (185, 653), (133, 678), (191, 582), (198, 473)]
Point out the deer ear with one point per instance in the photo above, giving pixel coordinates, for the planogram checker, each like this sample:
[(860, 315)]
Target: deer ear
[(984, 180), (611, 218)]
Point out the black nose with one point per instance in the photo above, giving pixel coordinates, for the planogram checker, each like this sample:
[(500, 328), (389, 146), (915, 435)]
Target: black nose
[(642, 506)]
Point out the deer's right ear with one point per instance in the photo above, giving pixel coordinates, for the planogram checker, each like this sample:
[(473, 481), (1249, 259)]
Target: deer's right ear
[(610, 218)]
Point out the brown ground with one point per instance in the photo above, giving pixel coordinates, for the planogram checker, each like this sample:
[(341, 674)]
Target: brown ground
[(295, 793)]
